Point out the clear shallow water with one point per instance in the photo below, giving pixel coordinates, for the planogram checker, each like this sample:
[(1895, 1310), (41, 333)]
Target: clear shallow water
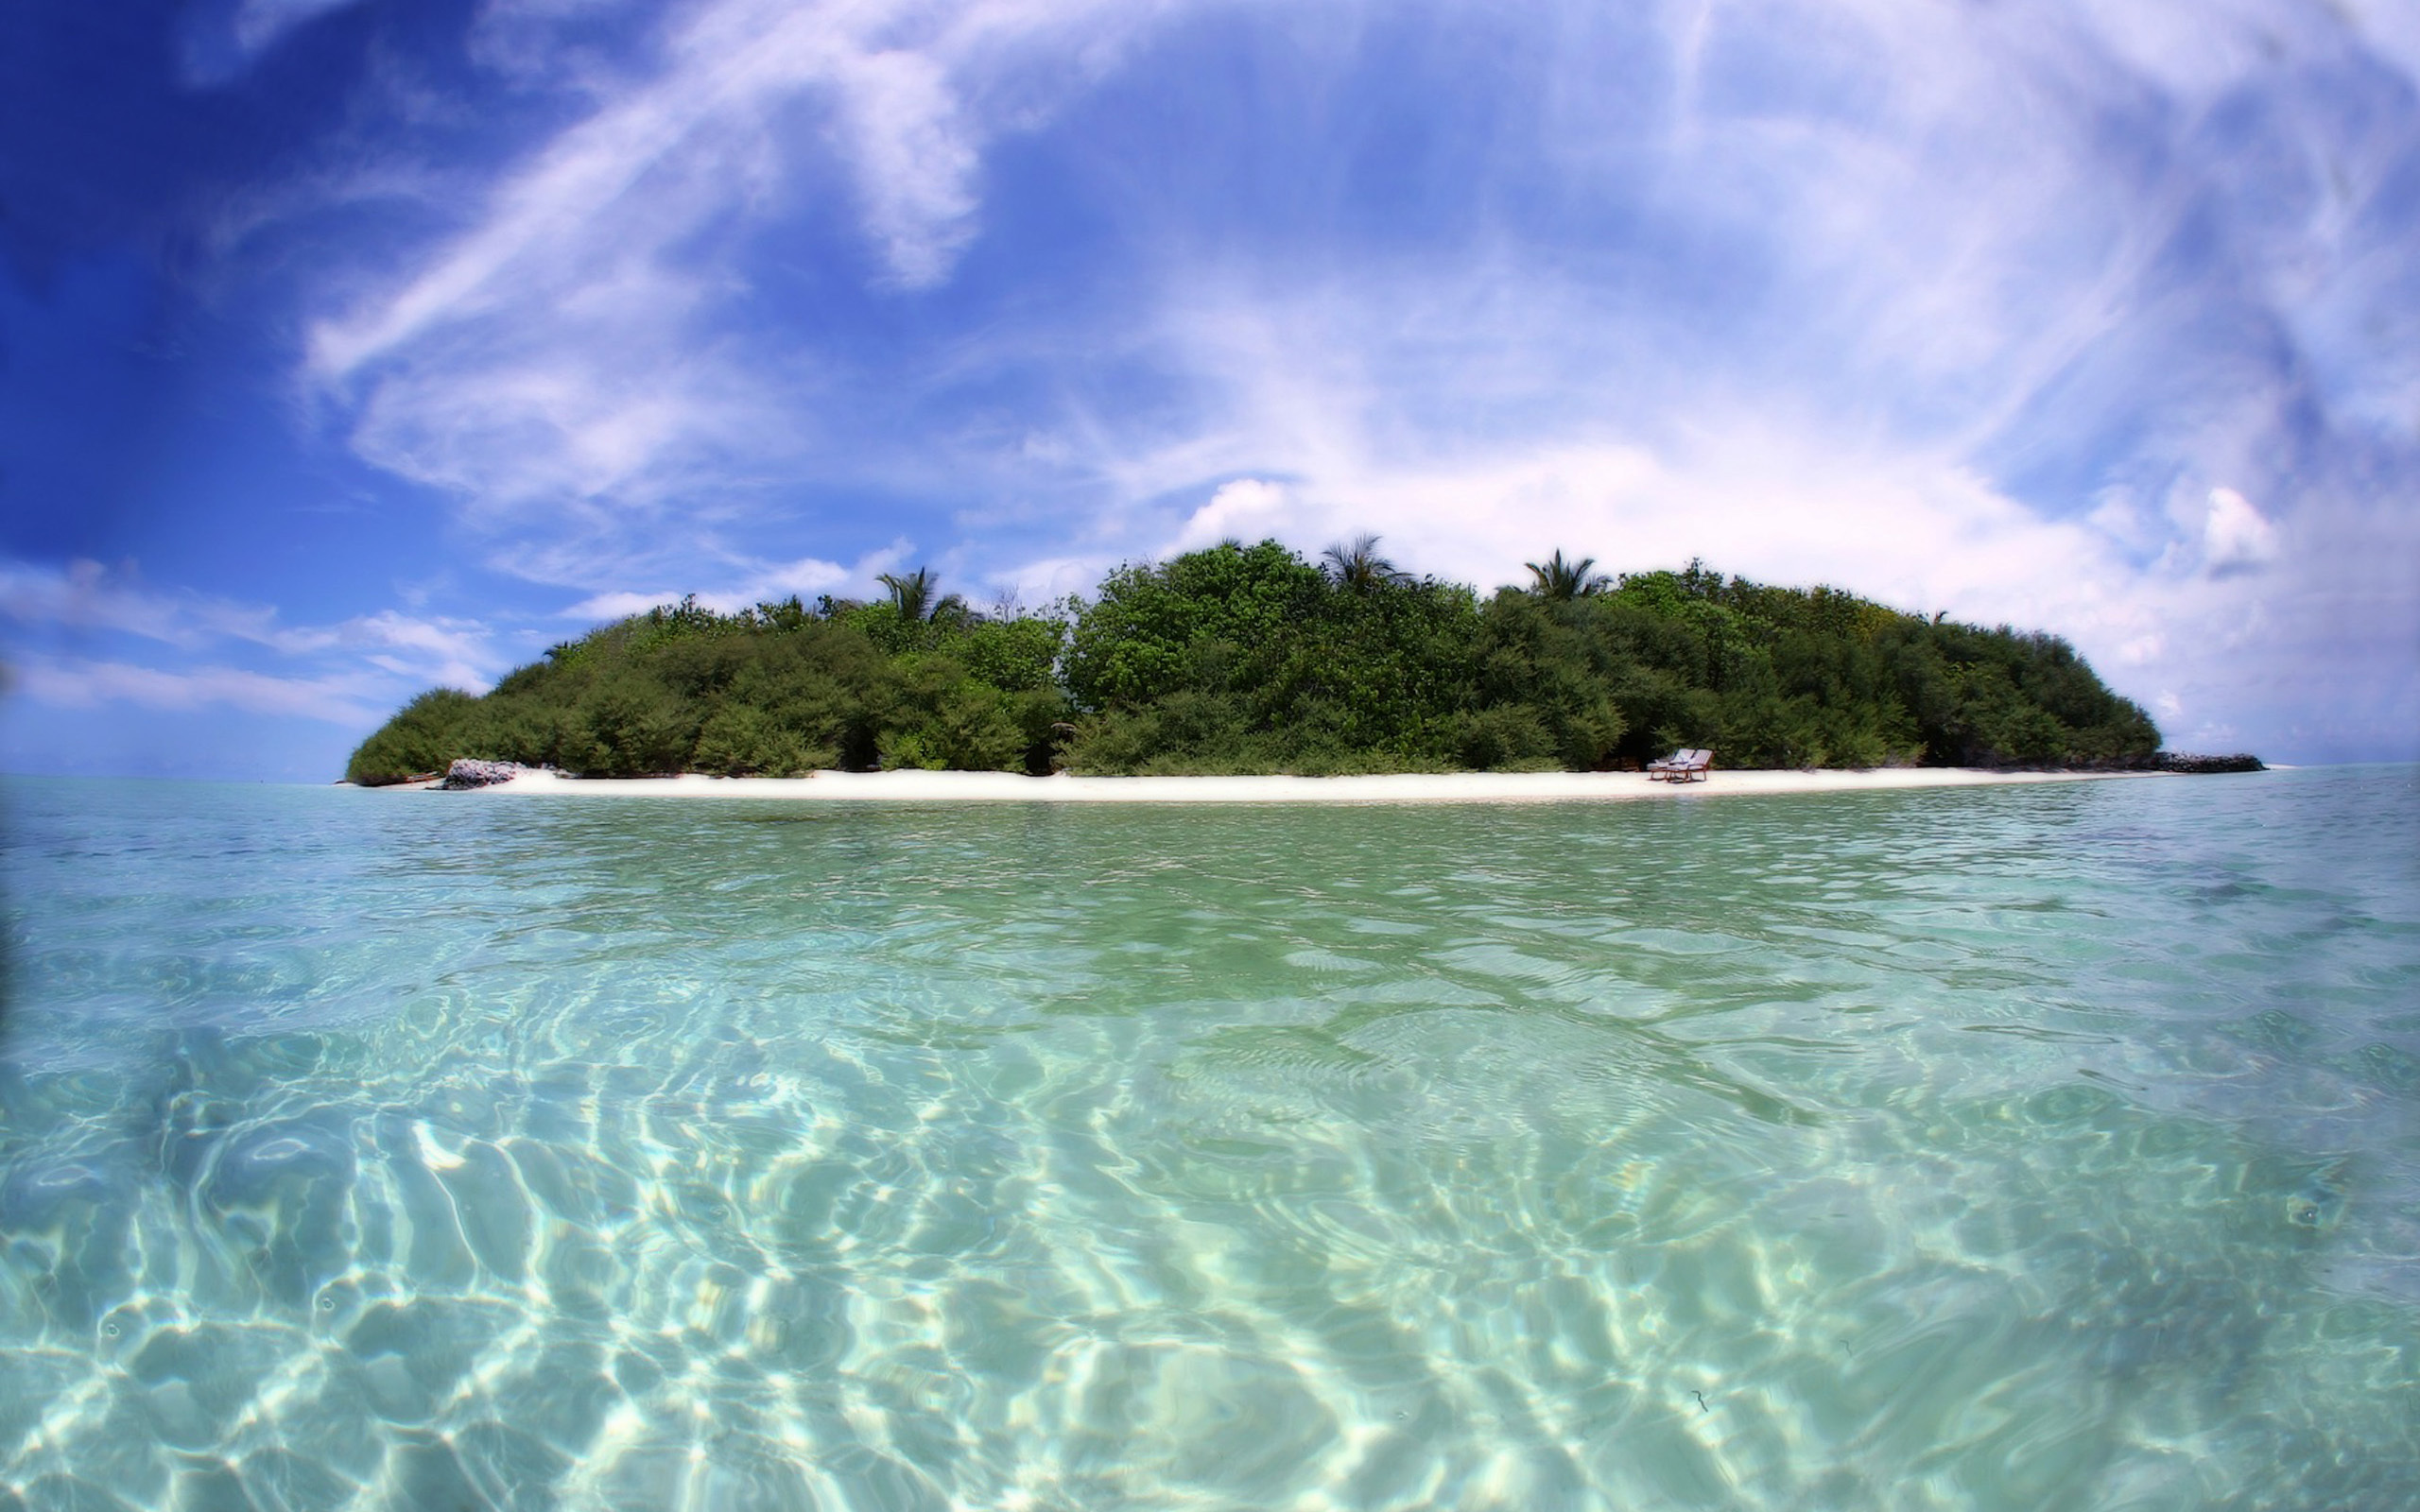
[(2041, 1147)]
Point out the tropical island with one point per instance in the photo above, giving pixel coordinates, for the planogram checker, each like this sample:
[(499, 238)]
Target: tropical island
[(1251, 660)]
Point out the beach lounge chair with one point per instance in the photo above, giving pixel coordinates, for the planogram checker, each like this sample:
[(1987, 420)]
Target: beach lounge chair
[(1681, 766)]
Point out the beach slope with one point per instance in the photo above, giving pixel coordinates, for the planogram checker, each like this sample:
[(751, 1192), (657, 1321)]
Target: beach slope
[(1455, 787)]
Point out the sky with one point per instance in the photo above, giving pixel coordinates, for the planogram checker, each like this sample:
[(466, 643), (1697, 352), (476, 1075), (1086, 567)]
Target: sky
[(352, 348)]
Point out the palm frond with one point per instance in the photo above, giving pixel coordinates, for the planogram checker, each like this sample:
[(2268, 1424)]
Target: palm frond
[(911, 594), (1559, 578), (1355, 564)]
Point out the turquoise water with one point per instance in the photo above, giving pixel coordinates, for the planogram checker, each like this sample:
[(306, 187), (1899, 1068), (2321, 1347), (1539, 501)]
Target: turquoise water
[(2048, 1147)]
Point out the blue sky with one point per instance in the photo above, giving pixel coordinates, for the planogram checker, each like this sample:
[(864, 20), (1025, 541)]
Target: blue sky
[(348, 347)]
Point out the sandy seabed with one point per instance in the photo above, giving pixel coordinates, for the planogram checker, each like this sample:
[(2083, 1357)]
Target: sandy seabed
[(1455, 787)]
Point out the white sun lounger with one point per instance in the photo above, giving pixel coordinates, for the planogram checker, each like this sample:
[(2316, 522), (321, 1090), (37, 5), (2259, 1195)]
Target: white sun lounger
[(1681, 766)]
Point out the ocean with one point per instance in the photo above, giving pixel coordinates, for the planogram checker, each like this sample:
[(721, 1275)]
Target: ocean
[(2028, 1147)]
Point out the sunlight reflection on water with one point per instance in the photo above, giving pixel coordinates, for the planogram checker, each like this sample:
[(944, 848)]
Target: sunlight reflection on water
[(1996, 1148)]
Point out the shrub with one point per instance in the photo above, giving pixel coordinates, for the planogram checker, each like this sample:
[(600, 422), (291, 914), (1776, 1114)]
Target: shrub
[(425, 735)]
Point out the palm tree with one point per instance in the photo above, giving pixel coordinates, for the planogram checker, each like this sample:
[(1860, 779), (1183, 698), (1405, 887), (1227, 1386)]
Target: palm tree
[(1357, 565), (912, 595), (1558, 578)]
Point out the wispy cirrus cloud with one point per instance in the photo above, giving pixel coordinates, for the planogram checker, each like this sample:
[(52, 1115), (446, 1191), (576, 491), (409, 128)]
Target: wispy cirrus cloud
[(223, 37), (583, 337), (352, 702), (61, 617), (86, 596)]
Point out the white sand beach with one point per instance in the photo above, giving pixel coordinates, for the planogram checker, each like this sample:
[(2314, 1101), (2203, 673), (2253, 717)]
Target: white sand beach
[(1457, 787)]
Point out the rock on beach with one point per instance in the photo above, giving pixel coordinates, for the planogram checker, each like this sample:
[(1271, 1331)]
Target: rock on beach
[(466, 774)]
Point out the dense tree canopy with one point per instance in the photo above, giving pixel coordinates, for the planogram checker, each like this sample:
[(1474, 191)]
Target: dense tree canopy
[(1250, 658)]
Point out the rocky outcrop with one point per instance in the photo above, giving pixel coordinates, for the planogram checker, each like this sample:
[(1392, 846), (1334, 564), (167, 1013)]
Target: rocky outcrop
[(467, 774), (2169, 761)]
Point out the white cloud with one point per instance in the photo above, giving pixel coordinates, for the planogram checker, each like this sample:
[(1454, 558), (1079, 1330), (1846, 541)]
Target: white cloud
[(2142, 649), (454, 653), (353, 702), (88, 596), (564, 346), (758, 583), (809, 574), (2234, 536), (1921, 532), (1050, 579), (1246, 510), (338, 672), (618, 605), (915, 163), (259, 23)]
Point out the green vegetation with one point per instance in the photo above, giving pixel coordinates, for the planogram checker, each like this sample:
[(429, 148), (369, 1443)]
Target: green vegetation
[(776, 691), (1250, 658)]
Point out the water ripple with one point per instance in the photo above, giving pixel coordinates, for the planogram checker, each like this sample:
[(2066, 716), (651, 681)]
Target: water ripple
[(2046, 1146)]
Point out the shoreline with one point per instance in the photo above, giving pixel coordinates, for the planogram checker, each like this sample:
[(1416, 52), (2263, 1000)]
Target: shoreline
[(1450, 787)]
